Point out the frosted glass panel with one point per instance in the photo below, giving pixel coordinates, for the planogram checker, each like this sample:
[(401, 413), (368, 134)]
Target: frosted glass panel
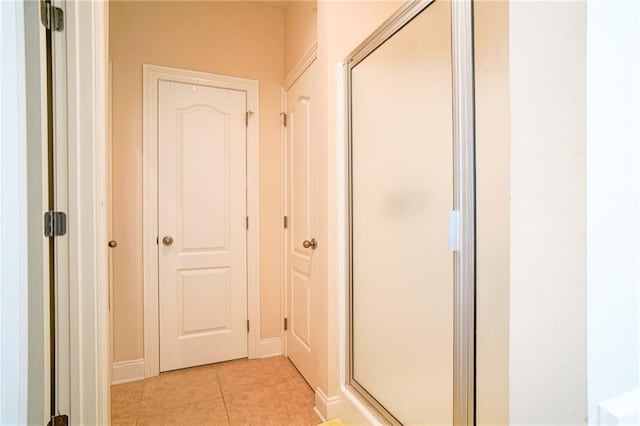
[(402, 191)]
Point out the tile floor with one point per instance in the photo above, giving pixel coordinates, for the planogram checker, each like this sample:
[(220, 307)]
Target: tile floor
[(267, 391)]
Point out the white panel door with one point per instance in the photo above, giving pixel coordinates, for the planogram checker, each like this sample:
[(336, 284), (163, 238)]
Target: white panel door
[(201, 224), (301, 206)]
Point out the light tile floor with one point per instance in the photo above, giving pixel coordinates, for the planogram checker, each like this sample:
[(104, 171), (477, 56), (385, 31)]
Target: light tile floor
[(267, 391)]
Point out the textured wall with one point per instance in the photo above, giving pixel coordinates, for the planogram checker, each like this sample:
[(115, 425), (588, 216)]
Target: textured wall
[(547, 56)]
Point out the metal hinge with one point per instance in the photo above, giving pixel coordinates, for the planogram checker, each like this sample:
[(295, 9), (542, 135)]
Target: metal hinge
[(286, 222), (59, 420), (247, 222), (55, 224), (247, 326), (284, 118), (52, 17), (285, 324), (249, 114)]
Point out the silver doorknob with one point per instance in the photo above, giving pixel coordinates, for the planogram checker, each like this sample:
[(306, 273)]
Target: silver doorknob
[(167, 241), (113, 244), (313, 243)]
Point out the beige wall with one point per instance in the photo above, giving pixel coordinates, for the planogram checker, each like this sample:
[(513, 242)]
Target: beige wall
[(237, 39), (300, 31), (491, 48), (547, 345)]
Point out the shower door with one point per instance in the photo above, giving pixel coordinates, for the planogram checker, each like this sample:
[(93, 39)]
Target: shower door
[(404, 219)]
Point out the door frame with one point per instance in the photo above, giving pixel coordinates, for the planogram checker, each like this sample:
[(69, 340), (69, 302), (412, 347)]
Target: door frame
[(81, 269), (152, 74)]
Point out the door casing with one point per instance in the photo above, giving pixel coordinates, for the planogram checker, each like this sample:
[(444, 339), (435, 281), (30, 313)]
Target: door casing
[(81, 266), (151, 75)]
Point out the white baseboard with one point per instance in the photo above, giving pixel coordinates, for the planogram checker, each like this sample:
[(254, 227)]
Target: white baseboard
[(326, 407), (319, 414), (127, 371), (131, 370), (270, 347)]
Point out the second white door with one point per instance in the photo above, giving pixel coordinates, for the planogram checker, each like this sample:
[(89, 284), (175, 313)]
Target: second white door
[(201, 224), (302, 231)]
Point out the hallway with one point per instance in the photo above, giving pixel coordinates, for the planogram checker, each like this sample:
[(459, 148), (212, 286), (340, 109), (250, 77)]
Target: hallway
[(260, 391)]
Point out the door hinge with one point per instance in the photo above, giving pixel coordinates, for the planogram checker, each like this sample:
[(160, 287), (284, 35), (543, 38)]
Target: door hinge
[(286, 326), (284, 118), (247, 222), (248, 114), (55, 224), (247, 326), (286, 222), (52, 17), (59, 420)]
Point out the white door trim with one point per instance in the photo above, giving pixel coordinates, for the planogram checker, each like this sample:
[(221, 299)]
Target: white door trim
[(81, 269), (301, 66), (151, 75), (283, 213)]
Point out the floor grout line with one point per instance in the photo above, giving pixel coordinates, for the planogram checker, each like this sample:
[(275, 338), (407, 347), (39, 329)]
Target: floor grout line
[(291, 379), (260, 387), (144, 386), (224, 401)]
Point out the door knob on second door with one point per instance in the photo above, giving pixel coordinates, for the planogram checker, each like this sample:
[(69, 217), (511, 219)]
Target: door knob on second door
[(313, 243), (168, 240)]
